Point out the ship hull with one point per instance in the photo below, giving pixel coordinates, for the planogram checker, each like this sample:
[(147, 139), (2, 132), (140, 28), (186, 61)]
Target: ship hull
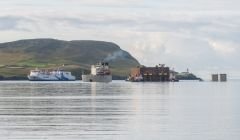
[(48, 80), (33, 78), (97, 78)]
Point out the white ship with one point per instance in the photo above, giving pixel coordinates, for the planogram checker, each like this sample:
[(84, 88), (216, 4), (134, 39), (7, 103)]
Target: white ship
[(55, 75), (99, 73)]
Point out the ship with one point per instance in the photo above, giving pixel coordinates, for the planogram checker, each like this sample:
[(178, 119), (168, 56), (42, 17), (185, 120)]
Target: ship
[(99, 73), (55, 75)]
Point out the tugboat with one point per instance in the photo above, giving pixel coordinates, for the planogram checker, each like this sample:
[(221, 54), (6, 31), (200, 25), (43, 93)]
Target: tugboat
[(99, 73), (135, 79), (55, 75)]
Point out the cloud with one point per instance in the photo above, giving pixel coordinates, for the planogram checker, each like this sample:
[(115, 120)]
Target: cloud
[(195, 37), (104, 2), (11, 23), (224, 48)]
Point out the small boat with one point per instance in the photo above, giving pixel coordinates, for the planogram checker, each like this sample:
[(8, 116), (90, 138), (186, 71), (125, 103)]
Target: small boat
[(55, 75), (135, 79)]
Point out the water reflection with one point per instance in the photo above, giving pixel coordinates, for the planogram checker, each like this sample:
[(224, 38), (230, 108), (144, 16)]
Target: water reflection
[(119, 110)]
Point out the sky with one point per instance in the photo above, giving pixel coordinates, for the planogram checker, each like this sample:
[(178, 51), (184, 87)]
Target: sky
[(201, 35)]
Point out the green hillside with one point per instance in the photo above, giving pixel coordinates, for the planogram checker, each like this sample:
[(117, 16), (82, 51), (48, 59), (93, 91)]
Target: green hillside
[(18, 57)]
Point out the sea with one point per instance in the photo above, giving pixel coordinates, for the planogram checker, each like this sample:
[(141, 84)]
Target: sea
[(185, 110)]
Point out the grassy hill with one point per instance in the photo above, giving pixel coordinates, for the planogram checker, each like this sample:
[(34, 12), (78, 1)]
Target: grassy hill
[(19, 57)]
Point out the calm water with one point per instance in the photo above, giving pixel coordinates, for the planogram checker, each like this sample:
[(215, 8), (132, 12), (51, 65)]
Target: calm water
[(120, 111)]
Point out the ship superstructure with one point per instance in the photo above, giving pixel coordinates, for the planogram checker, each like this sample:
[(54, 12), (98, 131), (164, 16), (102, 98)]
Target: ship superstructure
[(99, 73), (55, 75)]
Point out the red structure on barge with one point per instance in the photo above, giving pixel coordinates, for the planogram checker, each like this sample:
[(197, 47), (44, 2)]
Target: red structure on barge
[(160, 73)]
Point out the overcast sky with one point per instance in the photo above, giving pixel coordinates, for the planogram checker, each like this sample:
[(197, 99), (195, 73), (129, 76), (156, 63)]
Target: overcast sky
[(202, 35)]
